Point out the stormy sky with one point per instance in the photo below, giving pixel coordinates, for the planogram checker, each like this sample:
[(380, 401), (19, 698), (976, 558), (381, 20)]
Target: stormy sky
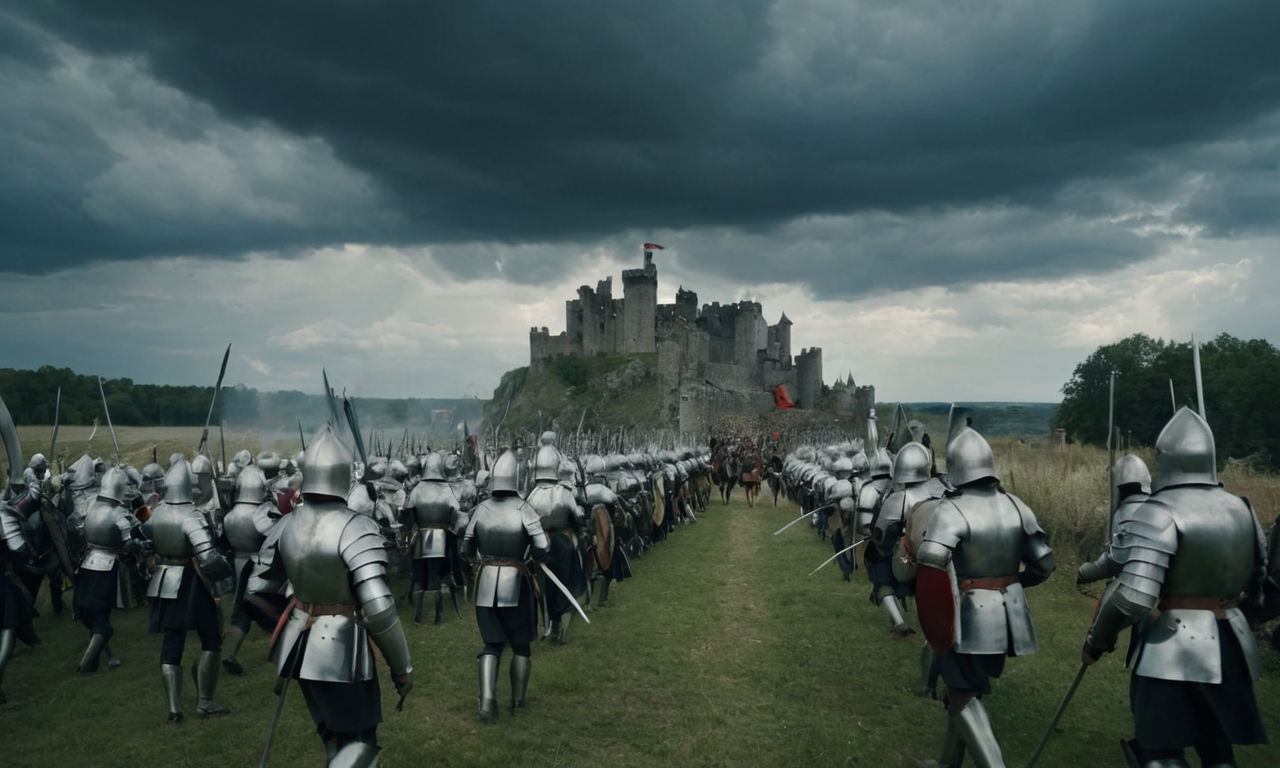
[(956, 201)]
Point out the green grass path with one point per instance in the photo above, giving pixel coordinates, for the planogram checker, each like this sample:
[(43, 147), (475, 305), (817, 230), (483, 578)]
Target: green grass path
[(721, 651)]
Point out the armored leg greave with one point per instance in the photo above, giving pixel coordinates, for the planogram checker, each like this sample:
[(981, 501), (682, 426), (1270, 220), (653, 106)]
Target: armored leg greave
[(952, 746), (975, 731), (171, 674), (8, 637), (562, 627), (418, 596), (520, 668), (488, 688), (206, 682), (900, 627), (604, 592), (928, 683), (439, 604), (89, 661), (354, 754), (235, 637)]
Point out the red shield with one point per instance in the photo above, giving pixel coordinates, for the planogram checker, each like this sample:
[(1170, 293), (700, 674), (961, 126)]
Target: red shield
[(938, 603), (604, 536)]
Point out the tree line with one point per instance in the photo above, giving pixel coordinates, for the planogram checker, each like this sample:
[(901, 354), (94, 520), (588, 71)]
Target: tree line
[(31, 396), (1240, 378)]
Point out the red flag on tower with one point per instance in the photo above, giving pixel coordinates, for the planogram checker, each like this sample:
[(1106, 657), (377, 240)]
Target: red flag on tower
[(653, 247)]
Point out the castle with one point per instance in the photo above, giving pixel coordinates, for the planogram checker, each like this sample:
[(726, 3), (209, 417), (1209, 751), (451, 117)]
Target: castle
[(708, 359)]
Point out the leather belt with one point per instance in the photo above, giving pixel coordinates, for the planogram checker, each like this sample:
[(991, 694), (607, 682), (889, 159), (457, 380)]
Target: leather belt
[(508, 563), (987, 582), (329, 609), (1218, 605)]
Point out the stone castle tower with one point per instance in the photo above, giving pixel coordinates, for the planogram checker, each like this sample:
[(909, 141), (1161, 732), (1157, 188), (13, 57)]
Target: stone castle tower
[(727, 348)]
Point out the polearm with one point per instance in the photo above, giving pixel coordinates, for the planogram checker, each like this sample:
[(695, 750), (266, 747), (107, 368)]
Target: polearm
[(1058, 715), (1195, 361), (107, 411), (1111, 452), (204, 436), (57, 411), (222, 440), (301, 439), (1173, 399)]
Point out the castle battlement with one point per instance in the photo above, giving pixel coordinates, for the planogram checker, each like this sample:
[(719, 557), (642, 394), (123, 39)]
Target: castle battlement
[(730, 347)]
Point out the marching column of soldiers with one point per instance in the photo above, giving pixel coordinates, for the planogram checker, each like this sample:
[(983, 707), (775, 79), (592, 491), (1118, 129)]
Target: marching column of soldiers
[(304, 549), (1188, 565)]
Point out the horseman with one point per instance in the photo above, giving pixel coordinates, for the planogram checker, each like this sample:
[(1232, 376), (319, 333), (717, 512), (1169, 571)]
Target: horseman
[(503, 532)]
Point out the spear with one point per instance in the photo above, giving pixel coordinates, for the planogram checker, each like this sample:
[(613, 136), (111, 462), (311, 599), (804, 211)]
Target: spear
[(57, 410), (108, 412), (301, 439), (204, 436)]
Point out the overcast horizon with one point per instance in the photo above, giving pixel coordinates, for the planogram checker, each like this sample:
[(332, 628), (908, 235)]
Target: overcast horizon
[(956, 202)]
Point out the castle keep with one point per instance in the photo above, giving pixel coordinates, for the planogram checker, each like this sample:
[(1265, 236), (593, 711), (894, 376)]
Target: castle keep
[(710, 358)]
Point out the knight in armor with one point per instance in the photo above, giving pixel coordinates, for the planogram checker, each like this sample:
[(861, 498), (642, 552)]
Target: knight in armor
[(552, 497), (245, 529), (104, 580), (598, 496), (503, 533), (1187, 558), (985, 543), (16, 611), (183, 592), (891, 582), (434, 514), (337, 562), (1132, 481)]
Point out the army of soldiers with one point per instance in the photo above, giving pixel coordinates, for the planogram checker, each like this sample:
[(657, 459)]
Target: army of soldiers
[(304, 549), (1187, 566), (533, 534)]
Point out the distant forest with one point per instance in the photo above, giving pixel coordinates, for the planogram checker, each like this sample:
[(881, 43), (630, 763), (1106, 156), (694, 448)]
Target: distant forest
[(31, 397)]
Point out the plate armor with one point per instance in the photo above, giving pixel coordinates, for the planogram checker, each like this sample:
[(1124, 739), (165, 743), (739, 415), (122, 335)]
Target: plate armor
[(502, 531), (337, 563), (435, 510), (869, 498), (181, 534), (987, 534)]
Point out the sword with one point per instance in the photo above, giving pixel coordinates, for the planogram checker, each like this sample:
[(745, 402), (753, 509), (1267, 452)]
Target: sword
[(801, 517), (1057, 715), (108, 412), (284, 681), (565, 590), (833, 557), (12, 446)]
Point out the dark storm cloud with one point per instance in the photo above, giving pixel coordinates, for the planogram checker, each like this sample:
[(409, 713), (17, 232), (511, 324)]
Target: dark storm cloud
[(572, 121)]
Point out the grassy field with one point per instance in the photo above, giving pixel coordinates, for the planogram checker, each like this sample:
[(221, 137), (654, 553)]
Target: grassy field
[(722, 651)]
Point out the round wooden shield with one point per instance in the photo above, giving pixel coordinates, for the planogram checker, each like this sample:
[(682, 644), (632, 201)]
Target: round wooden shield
[(659, 505), (604, 536)]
